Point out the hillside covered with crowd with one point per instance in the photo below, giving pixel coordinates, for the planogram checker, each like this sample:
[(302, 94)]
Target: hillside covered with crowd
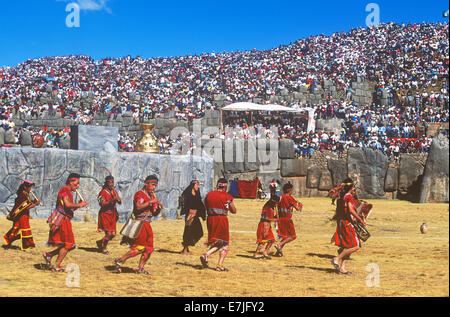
[(409, 61)]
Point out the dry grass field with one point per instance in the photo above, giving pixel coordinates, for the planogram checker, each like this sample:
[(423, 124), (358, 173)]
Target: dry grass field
[(410, 264)]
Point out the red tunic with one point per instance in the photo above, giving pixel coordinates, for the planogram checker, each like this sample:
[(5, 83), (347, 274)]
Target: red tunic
[(63, 235), (107, 216), (345, 235), (145, 237), (217, 205), (285, 210), (267, 214)]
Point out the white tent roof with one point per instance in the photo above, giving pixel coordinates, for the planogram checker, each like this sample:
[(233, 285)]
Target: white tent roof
[(249, 106)]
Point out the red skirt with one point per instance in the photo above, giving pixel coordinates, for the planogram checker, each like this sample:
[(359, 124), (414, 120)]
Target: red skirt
[(21, 229), (145, 238), (107, 221), (63, 236), (218, 229), (286, 228), (345, 235), (260, 234)]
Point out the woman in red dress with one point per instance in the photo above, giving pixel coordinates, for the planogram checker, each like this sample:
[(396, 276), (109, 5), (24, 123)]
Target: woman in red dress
[(107, 216), (20, 216), (345, 236), (61, 234), (264, 232), (146, 206)]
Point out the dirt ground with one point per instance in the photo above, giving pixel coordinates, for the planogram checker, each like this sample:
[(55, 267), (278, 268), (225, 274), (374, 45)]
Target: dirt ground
[(397, 260)]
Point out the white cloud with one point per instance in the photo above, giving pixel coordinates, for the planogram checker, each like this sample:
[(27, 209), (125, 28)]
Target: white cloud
[(91, 5)]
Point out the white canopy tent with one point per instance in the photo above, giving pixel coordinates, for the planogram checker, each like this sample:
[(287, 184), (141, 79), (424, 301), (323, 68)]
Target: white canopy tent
[(249, 106)]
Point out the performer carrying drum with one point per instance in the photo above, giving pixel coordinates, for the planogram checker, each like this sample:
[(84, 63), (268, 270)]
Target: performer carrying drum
[(146, 206)]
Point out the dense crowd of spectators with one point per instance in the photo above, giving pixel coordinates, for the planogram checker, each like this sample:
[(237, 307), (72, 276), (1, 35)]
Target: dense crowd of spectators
[(409, 62)]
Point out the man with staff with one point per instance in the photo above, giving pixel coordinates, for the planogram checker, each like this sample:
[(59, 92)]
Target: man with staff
[(107, 216), (61, 234), (145, 206), (20, 216)]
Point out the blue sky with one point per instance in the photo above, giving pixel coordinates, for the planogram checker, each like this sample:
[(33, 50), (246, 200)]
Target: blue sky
[(113, 28)]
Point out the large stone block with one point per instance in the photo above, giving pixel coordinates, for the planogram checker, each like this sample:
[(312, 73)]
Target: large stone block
[(251, 161), (368, 169), (410, 172), (294, 167), (299, 183), (287, 150), (338, 169), (325, 183), (435, 184), (233, 155), (313, 177), (93, 138), (9, 137), (391, 180), (25, 138)]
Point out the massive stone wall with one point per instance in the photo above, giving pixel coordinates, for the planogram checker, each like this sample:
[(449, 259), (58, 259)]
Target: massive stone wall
[(49, 169), (412, 177), (375, 175)]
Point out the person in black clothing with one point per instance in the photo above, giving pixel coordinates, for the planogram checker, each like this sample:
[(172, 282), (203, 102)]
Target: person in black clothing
[(193, 209)]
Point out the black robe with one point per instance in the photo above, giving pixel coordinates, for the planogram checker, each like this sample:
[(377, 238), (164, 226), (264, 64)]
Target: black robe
[(194, 231)]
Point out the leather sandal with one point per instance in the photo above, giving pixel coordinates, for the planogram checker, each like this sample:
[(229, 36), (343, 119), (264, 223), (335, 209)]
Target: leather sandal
[(204, 261)]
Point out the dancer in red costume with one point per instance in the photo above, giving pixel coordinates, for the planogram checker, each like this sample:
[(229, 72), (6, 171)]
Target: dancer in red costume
[(146, 206), (345, 236), (286, 229), (107, 216), (217, 204), (264, 232), (61, 234), (20, 216)]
